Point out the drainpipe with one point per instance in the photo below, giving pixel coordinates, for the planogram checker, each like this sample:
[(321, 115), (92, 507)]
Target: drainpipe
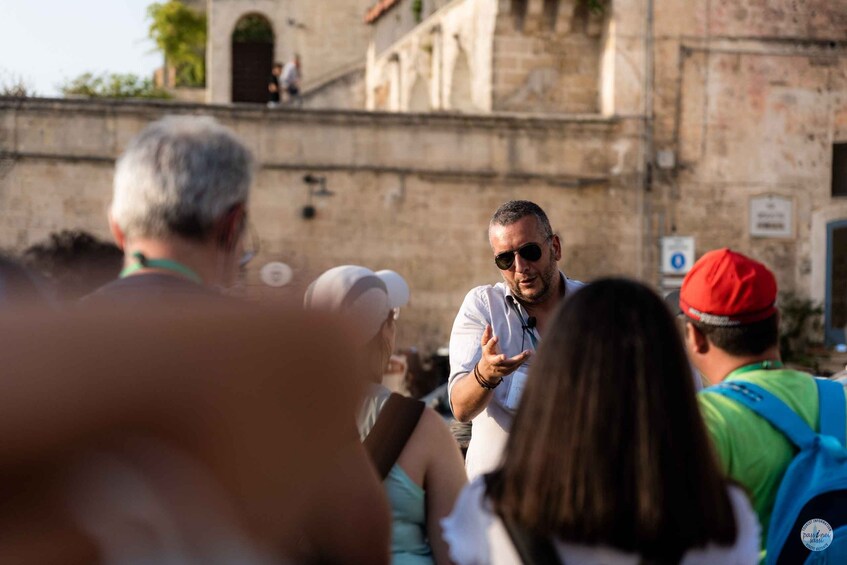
[(647, 177)]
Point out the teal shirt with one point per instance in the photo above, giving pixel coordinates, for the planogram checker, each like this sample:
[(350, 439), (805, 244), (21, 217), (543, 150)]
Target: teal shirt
[(409, 545), (749, 449)]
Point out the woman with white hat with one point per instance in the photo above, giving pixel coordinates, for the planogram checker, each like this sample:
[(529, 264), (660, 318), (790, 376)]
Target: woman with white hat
[(424, 479)]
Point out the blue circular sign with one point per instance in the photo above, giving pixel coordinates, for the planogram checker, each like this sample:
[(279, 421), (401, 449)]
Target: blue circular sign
[(677, 260)]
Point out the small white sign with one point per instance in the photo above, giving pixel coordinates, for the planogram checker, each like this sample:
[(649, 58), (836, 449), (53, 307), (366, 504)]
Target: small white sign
[(771, 216), (677, 255), (670, 283), (816, 534), (276, 274)]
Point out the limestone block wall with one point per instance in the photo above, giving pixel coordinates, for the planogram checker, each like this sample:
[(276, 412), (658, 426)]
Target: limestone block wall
[(547, 61), (327, 37), (750, 99), (412, 193), (346, 91)]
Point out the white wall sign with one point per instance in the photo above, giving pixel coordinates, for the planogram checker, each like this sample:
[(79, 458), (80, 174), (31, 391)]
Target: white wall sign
[(771, 216), (276, 274), (677, 255)]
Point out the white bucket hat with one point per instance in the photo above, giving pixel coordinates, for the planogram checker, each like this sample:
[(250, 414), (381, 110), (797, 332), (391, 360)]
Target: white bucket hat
[(358, 293)]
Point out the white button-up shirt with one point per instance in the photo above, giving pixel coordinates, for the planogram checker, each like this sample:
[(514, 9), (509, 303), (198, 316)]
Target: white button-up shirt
[(495, 305)]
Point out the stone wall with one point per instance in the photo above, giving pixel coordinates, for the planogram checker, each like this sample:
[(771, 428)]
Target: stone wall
[(412, 193), (346, 90), (547, 60)]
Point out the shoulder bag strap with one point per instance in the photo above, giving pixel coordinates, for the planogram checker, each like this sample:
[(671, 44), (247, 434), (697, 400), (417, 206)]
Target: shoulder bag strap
[(769, 407), (391, 431), (831, 418), (533, 550)]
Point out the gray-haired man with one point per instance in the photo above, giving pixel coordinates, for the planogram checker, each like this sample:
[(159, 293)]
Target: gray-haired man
[(179, 210)]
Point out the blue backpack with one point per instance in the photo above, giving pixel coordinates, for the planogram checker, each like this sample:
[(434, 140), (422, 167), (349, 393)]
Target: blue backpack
[(809, 518)]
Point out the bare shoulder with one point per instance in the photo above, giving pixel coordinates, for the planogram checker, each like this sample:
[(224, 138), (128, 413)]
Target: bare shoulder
[(433, 427), (429, 433), (429, 442)]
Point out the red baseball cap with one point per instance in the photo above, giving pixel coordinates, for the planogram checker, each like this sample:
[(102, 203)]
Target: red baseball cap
[(725, 288)]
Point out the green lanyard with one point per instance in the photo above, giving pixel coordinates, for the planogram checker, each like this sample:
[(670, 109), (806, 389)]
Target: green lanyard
[(761, 365), (143, 262)]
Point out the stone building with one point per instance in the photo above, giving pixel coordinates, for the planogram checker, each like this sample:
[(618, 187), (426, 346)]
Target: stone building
[(747, 105), (720, 121), (329, 36), (487, 56)]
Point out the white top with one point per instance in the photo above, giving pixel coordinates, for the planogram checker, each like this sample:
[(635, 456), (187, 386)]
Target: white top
[(489, 305), (290, 74), (476, 536), (375, 398)]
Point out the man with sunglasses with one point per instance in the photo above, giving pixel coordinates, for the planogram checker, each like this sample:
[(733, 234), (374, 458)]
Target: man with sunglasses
[(499, 326), (179, 211)]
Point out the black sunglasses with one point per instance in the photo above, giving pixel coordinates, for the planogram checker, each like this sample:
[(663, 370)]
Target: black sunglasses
[(528, 251)]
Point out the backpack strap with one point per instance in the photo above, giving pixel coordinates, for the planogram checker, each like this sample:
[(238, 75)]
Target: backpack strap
[(392, 430), (769, 407), (832, 418)]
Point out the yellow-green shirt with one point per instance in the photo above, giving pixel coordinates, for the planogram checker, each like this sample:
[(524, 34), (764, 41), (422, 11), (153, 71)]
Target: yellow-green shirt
[(749, 449)]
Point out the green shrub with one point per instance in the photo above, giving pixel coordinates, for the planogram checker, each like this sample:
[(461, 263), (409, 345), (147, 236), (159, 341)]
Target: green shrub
[(113, 85), (180, 33), (800, 328)]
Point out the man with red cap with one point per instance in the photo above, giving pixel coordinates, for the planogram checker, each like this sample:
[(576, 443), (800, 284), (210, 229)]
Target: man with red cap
[(732, 333)]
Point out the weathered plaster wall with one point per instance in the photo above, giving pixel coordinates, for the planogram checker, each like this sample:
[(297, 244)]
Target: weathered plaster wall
[(412, 193), (400, 20), (448, 55), (750, 98), (473, 56)]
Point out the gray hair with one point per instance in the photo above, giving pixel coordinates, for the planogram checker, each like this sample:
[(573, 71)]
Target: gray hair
[(514, 210), (179, 176)]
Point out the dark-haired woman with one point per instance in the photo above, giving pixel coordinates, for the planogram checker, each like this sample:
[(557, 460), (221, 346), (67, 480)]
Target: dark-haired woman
[(608, 460)]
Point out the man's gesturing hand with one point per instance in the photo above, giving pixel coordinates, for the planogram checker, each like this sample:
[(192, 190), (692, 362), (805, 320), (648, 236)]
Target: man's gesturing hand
[(495, 364)]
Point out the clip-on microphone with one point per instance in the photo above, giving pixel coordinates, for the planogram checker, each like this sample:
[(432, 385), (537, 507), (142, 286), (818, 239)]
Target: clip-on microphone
[(526, 325)]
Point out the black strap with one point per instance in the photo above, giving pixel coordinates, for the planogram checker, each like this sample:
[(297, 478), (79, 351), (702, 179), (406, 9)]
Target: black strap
[(533, 550), (393, 428)]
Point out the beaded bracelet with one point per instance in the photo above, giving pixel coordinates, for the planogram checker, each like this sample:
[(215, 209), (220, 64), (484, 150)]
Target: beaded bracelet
[(483, 382)]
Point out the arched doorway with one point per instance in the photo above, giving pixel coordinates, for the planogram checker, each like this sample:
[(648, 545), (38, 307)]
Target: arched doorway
[(460, 89), (835, 314), (252, 58)]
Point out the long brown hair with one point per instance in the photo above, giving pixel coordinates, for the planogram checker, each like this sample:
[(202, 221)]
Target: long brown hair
[(608, 446), (377, 352)]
